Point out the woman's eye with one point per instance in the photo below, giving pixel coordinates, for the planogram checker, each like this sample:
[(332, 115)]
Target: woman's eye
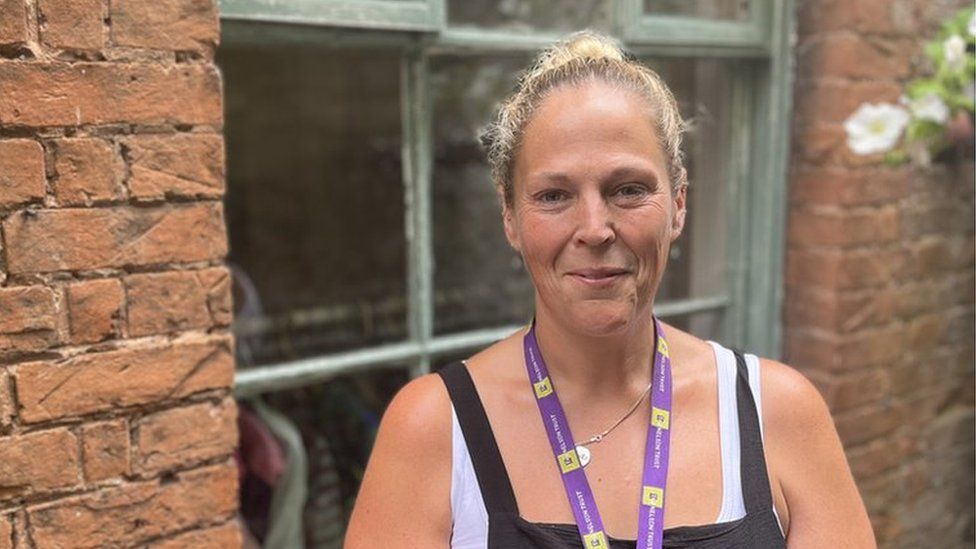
[(632, 191), (550, 196)]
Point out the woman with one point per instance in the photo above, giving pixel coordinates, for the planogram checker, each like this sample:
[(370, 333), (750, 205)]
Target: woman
[(586, 156)]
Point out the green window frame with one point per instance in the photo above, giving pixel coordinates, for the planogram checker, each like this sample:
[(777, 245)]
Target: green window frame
[(755, 195), (406, 15)]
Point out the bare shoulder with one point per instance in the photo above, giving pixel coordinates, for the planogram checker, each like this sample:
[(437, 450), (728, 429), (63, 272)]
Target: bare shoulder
[(420, 409), (409, 468), (791, 403)]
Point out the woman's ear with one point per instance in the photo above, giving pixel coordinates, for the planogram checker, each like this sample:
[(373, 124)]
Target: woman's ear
[(678, 220), (508, 220)]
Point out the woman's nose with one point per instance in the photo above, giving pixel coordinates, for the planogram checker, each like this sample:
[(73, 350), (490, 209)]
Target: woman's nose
[(595, 223)]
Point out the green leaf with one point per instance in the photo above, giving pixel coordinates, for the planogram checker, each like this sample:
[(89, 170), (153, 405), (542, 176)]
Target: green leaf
[(896, 157)]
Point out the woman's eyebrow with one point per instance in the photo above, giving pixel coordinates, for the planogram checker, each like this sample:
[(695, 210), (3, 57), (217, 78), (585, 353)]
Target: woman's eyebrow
[(551, 177), (625, 172)]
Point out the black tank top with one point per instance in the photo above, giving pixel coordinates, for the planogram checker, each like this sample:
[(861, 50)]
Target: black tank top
[(507, 530)]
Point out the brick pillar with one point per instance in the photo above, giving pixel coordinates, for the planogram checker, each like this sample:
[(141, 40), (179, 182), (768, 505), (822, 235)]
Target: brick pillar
[(879, 297), (116, 420)]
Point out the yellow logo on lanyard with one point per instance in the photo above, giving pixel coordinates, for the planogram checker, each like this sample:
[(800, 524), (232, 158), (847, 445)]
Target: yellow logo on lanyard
[(662, 346), (660, 418), (568, 461), (653, 496), (543, 387), (596, 540)]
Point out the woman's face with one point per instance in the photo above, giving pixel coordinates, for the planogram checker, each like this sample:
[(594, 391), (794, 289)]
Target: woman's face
[(592, 212)]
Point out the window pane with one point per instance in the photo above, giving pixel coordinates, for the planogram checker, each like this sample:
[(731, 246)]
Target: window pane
[(529, 15), (706, 325), (337, 423), (315, 198), (697, 266), (479, 280), (734, 10)]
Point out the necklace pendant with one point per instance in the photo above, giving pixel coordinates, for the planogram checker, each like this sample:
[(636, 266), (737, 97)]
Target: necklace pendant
[(584, 455)]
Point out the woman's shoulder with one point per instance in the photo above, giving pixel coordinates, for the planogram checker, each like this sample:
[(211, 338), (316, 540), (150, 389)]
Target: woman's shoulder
[(790, 399), (420, 410)]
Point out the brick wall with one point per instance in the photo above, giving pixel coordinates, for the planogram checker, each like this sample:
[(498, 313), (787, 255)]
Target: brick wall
[(116, 420), (880, 284)]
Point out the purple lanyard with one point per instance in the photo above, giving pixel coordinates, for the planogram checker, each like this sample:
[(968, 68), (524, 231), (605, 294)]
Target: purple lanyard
[(651, 512)]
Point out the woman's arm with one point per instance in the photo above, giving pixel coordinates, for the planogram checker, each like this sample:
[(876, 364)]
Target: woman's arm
[(807, 460), (405, 497)]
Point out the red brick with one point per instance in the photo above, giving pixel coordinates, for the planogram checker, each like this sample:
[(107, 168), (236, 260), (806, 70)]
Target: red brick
[(81, 239), (838, 228), (926, 332), (865, 16), (186, 436), (165, 24), (38, 462), (836, 270), (936, 217), (104, 93), (28, 318), (22, 539), (832, 101), (825, 144), (133, 513), (839, 312), (76, 24), (7, 405), (857, 389), (88, 170), (13, 21), (910, 378), (866, 424), (926, 296), (178, 300), (845, 187), (94, 310), (6, 532), (937, 254), (879, 456), (106, 450), (225, 535), (182, 165), (109, 380), (21, 172), (815, 350), (959, 326), (852, 56)]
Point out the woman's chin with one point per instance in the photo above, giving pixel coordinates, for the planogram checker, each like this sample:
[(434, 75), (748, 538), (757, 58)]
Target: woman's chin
[(602, 318)]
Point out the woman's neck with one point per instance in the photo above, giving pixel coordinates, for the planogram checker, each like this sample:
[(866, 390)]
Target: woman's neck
[(617, 363)]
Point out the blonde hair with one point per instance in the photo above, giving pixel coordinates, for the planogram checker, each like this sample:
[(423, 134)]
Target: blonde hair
[(581, 56)]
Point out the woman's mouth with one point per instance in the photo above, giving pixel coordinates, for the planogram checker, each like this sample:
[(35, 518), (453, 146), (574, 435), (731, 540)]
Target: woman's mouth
[(599, 276)]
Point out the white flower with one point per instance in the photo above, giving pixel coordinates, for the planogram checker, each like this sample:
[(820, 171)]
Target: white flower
[(875, 128), (928, 107), (954, 49), (972, 24)]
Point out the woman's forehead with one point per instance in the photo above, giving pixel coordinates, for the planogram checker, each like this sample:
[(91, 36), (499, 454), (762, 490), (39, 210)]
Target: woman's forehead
[(590, 122)]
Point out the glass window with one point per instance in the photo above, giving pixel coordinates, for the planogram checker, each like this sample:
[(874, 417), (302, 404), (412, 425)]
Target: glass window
[(365, 234), (732, 10), (479, 280), (532, 15), (315, 198)]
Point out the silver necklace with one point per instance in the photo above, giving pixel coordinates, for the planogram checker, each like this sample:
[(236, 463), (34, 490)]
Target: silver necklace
[(581, 449)]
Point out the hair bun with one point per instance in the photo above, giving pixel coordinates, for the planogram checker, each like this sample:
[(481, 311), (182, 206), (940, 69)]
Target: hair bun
[(581, 46)]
